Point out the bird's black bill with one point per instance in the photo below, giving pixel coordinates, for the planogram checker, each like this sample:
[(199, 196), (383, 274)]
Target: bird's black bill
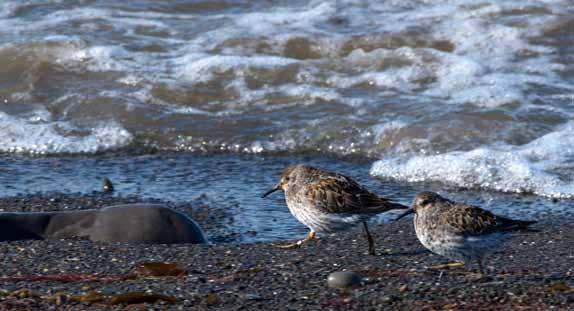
[(411, 211), (271, 191)]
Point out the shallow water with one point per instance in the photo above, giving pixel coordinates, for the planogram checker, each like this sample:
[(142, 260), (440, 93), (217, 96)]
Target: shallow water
[(233, 183)]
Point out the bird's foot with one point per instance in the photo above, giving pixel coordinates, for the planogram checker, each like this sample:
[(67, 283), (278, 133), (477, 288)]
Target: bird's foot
[(297, 244), (371, 250), (449, 265), (310, 237), (476, 277)]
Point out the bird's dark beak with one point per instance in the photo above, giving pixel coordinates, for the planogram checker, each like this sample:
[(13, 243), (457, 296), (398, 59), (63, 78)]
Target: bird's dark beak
[(410, 211), (275, 188)]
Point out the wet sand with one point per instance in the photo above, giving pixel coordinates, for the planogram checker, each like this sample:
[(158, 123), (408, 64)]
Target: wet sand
[(534, 272)]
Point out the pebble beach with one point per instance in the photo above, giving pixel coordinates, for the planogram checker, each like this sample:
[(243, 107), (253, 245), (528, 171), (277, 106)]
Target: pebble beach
[(533, 272)]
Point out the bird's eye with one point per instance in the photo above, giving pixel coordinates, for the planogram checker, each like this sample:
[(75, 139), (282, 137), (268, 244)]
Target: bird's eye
[(425, 202)]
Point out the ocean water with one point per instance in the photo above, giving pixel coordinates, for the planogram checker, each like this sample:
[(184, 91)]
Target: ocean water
[(232, 186), (474, 95)]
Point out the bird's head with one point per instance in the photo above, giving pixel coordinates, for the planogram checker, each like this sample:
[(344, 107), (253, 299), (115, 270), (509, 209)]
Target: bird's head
[(288, 177), (427, 200), (423, 201)]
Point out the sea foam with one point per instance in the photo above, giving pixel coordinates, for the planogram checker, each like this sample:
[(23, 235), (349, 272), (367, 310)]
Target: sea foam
[(544, 166), (38, 135)]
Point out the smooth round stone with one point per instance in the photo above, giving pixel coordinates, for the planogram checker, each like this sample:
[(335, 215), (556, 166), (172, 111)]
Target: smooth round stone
[(107, 185), (344, 279)]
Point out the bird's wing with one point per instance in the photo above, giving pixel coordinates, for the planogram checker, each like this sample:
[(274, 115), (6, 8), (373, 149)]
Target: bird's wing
[(334, 193), (473, 220)]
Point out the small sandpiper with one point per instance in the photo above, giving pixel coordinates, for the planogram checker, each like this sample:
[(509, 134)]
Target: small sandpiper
[(329, 202), (460, 231)]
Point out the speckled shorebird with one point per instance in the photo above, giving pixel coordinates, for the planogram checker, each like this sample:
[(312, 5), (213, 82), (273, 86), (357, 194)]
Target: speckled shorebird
[(329, 202), (460, 231)]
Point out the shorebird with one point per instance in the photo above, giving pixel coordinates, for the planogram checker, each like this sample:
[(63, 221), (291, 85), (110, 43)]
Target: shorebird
[(460, 231), (328, 202)]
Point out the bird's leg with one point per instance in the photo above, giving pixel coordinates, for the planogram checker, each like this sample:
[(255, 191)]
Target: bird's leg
[(481, 276), (448, 266), (308, 238), (480, 267), (369, 239)]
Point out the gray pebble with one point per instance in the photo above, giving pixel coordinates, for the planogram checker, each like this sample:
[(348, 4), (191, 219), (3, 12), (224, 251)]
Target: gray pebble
[(344, 279), (390, 298), (107, 185)]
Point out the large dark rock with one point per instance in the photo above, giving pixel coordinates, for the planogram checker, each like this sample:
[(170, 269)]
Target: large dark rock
[(139, 223)]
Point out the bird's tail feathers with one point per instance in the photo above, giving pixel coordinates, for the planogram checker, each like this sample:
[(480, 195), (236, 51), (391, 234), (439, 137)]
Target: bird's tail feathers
[(394, 205), (523, 225), (388, 206)]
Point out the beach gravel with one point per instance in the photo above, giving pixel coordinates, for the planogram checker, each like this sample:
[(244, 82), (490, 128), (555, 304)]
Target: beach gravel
[(534, 272)]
